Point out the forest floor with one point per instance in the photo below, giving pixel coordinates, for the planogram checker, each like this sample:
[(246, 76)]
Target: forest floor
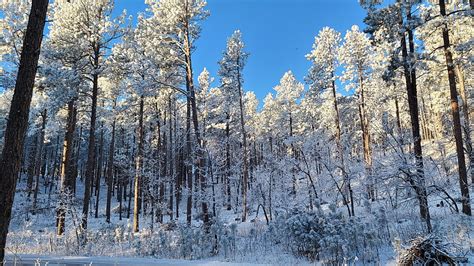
[(37, 260), (32, 237)]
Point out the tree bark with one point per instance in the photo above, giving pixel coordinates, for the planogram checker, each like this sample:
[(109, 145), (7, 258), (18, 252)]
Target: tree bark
[(465, 199), (110, 173), (32, 163), (138, 169), (418, 182), (18, 116), (98, 173), (245, 170), (340, 149), (467, 122), (364, 122), (189, 158), (227, 163), (199, 151), (91, 145), (39, 155), (66, 167)]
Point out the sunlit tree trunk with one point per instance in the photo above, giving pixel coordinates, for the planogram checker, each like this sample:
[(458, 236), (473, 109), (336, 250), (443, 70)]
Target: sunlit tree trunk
[(465, 199), (417, 181), (199, 149), (66, 185), (138, 169), (467, 122)]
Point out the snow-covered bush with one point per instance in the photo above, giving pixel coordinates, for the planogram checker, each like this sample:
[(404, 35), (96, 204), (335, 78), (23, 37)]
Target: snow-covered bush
[(331, 237)]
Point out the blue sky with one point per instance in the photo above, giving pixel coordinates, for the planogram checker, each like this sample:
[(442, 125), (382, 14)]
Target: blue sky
[(277, 33)]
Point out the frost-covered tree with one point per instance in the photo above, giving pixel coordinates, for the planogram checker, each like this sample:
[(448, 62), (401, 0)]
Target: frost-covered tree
[(356, 56), (87, 27), (466, 205), (169, 35), (231, 73), (321, 76), (13, 26)]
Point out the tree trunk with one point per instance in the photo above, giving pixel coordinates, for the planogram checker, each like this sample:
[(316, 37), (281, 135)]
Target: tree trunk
[(364, 122), (245, 174), (91, 145), (110, 173), (39, 155), (18, 116), (397, 112), (340, 149), (98, 173), (199, 151), (31, 163), (227, 163), (465, 199), (66, 167), (138, 169), (189, 158), (164, 171), (410, 79), (467, 122)]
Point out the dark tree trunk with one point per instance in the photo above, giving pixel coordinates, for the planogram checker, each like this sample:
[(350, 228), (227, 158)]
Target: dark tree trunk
[(418, 183), (397, 112), (31, 163), (465, 199), (189, 157), (39, 155), (227, 164), (66, 167), (164, 171), (245, 169), (98, 175), (18, 116), (91, 145), (199, 151), (110, 174), (138, 169), (467, 121), (76, 155)]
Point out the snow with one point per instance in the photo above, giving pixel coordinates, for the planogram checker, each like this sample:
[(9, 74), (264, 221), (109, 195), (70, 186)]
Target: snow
[(27, 259)]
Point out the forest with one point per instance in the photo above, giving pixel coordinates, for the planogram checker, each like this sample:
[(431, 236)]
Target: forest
[(114, 146)]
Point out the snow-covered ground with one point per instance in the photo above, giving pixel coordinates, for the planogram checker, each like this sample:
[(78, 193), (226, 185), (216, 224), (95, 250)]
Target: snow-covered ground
[(32, 239), (37, 260)]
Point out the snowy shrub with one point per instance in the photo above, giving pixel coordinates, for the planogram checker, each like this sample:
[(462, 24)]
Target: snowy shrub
[(306, 232), (331, 238)]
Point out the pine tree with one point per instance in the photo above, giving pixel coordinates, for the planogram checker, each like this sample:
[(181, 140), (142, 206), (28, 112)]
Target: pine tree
[(466, 205), (356, 55), (85, 26), (18, 118), (231, 67), (175, 34), (321, 77)]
